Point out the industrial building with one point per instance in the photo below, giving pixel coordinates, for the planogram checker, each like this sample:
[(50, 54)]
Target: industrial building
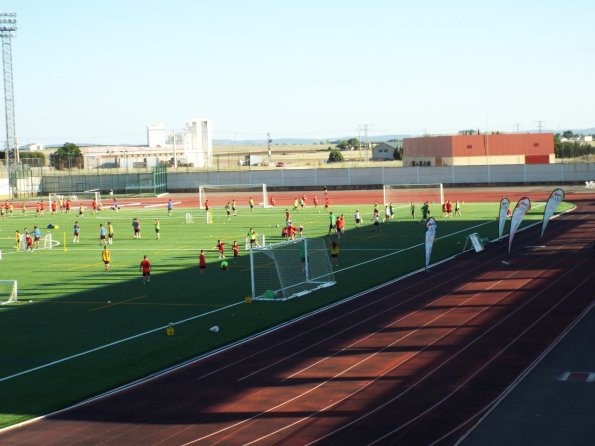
[(479, 149), (192, 147)]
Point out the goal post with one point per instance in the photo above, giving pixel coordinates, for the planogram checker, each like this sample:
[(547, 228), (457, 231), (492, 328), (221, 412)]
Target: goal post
[(8, 292), (405, 193), (283, 271), (221, 194), (260, 241), (48, 242)]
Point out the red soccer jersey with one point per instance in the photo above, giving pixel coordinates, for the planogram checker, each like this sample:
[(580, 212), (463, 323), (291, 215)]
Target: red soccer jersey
[(53, 205), (207, 205), (220, 246), (202, 261), (236, 249), (326, 202), (145, 265)]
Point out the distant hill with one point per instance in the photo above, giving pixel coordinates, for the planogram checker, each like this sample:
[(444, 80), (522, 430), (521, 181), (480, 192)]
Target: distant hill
[(297, 141)]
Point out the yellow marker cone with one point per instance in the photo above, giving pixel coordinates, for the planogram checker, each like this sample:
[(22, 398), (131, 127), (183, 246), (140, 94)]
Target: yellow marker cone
[(170, 329)]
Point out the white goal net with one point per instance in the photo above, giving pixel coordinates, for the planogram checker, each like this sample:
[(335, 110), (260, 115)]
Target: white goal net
[(241, 193), (405, 193), (76, 198), (285, 270), (8, 291)]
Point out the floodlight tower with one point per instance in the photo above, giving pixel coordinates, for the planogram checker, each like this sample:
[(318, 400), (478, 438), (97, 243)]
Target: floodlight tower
[(8, 26)]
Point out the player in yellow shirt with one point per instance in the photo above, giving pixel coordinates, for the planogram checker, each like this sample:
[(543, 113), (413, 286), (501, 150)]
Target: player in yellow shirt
[(106, 257)]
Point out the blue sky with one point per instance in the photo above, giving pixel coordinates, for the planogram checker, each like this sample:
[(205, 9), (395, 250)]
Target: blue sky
[(88, 71)]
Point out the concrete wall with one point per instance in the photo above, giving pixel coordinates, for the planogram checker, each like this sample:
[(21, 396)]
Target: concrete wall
[(179, 181)]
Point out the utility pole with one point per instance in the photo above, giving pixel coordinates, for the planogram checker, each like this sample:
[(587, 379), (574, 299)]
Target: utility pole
[(364, 128), (269, 141), (540, 125), (173, 140), (8, 26)]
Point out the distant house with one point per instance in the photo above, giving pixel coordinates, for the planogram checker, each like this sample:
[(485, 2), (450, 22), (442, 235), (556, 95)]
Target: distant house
[(32, 147), (385, 150)]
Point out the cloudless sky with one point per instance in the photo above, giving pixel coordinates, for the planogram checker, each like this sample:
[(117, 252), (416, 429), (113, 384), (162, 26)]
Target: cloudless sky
[(100, 71)]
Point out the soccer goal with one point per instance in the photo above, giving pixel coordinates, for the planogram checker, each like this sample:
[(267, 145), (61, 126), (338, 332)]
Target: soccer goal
[(8, 292), (405, 193), (87, 197), (189, 218), (290, 269), (241, 193), (260, 241)]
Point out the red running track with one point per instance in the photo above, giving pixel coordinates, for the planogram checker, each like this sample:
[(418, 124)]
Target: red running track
[(415, 362), (346, 197)]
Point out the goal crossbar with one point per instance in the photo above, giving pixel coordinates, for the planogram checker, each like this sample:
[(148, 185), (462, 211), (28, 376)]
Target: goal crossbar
[(402, 193), (229, 190)]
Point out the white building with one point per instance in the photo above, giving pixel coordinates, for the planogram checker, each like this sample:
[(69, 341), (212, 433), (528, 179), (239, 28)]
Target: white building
[(156, 135), (33, 147), (198, 143)]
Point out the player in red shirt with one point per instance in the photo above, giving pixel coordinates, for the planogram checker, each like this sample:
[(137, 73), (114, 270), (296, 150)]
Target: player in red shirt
[(42, 207), (207, 205), (145, 268), (202, 262), (291, 232), (29, 243), (68, 205), (326, 203), (221, 248), (236, 250), (54, 207), (449, 209), (272, 201), (341, 225), (315, 201)]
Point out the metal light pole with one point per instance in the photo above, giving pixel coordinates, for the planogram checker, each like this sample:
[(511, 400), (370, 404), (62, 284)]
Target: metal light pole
[(8, 26)]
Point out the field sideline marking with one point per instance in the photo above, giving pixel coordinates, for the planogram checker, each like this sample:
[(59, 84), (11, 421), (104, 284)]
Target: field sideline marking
[(116, 303), (111, 344), (159, 204)]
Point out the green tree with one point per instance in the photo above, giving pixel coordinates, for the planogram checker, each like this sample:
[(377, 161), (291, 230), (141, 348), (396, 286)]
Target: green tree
[(568, 134), (36, 159), (335, 156), (67, 156), (353, 143), (342, 145), (398, 154)]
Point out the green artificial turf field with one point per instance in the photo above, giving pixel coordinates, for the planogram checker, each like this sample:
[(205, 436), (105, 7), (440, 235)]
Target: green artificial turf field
[(78, 331)]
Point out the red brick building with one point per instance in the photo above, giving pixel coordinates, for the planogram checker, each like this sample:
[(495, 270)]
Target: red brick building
[(467, 150)]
